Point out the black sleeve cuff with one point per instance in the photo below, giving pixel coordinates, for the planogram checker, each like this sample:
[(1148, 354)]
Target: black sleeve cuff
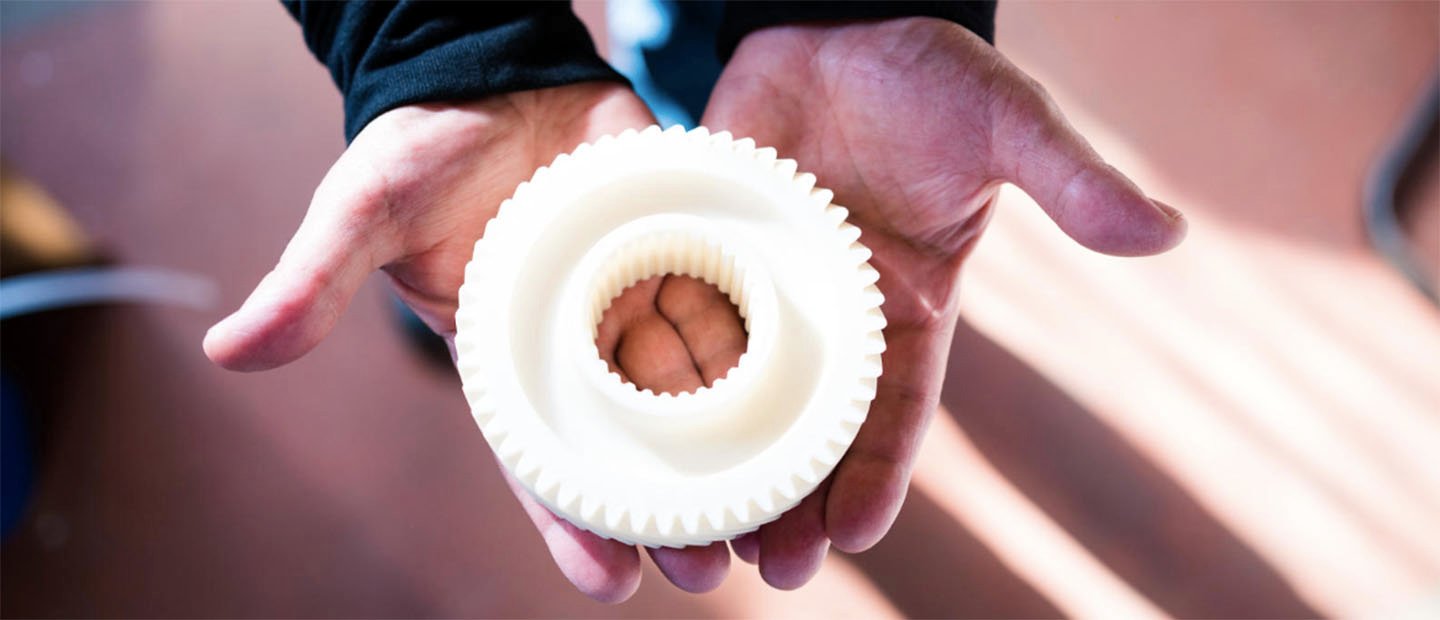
[(742, 18), (385, 55)]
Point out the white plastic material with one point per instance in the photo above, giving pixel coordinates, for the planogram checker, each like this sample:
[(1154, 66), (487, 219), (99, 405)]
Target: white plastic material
[(661, 469)]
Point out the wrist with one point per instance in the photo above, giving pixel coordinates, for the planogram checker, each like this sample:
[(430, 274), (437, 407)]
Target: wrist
[(743, 19), (884, 49), (562, 108)]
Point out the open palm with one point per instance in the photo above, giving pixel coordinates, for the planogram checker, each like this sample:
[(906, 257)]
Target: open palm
[(914, 123), (410, 196)]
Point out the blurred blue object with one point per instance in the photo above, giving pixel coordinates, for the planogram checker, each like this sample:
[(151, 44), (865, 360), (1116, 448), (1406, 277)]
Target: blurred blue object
[(426, 342), (48, 290), (17, 467), (667, 50)]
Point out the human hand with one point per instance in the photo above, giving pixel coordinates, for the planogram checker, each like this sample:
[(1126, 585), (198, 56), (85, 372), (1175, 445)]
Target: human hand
[(914, 123), (410, 196)]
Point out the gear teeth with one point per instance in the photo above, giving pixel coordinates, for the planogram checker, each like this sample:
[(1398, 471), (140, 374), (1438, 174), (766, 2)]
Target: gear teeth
[(688, 522), (521, 192), (715, 517), (484, 416), (788, 169), (821, 198), (777, 500), (527, 470), (787, 489), (859, 254), (481, 401), (868, 275), (762, 503), (836, 215), (872, 297), (853, 418), (791, 488), (547, 485), (526, 189), (567, 498), (668, 526), (820, 466), (740, 513), (865, 391), (590, 506), (495, 433), (871, 366), (874, 344), (830, 457), (497, 224), (805, 182), (875, 321), (809, 475), (744, 146), (461, 348), (509, 450), (639, 521), (766, 155), (849, 234), (542, 175)]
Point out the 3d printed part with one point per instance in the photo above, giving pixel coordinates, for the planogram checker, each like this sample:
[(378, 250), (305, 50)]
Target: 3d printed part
[(661, 469)]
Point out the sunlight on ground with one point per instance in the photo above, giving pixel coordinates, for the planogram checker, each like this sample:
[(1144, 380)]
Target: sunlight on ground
[(1283, 385)]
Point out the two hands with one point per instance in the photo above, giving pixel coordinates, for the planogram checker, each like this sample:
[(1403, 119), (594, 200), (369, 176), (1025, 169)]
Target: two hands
[(914, 123)]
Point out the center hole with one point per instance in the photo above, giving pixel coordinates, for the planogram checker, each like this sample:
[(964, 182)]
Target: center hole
[(671, 334)]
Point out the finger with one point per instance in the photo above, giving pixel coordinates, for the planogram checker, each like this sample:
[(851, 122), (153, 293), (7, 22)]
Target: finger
[(652, 353), (340, 242), (707, 322), (694, 569), (871, 481), (793, 546), (632, 304), (602, 569), (1096, 205), (747, 547)]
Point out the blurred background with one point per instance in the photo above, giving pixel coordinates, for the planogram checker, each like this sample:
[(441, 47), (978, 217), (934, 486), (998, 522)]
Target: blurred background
[(1275, 450)]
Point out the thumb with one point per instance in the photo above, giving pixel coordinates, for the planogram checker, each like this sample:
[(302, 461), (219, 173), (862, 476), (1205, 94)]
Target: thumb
[(1090, 200), (339, 243)]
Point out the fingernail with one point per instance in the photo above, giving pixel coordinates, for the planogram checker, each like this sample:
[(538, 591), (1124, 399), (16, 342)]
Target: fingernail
[(1168, 210)]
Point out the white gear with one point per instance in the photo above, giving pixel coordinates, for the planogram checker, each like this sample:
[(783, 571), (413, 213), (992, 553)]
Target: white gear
[(661, 469)]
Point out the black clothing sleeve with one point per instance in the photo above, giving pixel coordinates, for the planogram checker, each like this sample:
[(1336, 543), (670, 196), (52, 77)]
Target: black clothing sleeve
[(743, 17), (385, 55)]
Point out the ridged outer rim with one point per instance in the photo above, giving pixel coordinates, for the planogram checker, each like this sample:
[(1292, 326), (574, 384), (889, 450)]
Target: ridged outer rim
[(517, 440)]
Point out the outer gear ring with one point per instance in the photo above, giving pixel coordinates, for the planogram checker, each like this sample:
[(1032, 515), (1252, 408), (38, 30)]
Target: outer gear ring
[(663, 470)]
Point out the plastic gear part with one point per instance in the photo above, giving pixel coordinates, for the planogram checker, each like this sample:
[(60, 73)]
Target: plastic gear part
[(662, 469)]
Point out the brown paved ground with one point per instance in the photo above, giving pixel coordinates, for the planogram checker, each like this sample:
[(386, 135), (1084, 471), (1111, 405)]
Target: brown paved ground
[(1245, 427)]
